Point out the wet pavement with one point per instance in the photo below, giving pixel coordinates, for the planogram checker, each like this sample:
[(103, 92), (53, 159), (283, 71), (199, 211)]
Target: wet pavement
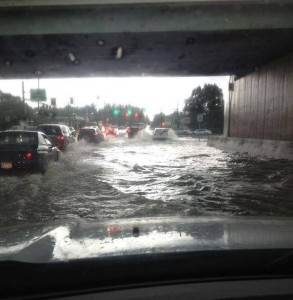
[(140, 177)]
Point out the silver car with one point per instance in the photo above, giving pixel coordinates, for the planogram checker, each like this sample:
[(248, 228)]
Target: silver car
[(201, 132)]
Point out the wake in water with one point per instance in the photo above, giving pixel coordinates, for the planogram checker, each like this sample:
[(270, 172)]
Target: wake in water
[(140, 177), (147, 135)]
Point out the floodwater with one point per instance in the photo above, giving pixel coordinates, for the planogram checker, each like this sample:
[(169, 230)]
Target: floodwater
[(139, 177)]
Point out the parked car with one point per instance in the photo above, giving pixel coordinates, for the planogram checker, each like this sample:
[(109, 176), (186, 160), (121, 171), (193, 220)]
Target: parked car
[(59, 135), (91, 135), (201, 132), (183, 132), (26, 150)]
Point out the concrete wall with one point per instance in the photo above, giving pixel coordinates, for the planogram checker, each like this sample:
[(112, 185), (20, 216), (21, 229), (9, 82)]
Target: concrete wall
[(261, 104), (263, 148)]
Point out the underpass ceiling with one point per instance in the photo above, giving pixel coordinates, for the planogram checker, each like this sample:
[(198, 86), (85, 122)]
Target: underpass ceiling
[(181, 40)]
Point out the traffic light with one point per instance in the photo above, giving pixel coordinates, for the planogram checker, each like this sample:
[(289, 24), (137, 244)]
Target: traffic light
[(136, 115), (129, 112), (115, 111)]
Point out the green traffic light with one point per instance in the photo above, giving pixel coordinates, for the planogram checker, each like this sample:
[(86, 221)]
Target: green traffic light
[(115, 111), (129, 111)]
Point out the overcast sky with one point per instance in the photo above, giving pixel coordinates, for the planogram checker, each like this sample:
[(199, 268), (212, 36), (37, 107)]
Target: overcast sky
[(152, 93)]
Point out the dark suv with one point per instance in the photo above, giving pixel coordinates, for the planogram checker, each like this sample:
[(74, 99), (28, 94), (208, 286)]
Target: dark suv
[(59, 135), (91, 135)]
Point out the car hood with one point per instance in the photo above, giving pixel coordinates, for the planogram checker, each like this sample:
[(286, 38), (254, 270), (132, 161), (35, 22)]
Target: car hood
[(77, 239)]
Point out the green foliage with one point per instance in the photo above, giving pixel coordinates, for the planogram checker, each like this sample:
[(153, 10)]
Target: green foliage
[(47, 114), (12, 111), (208, 101)]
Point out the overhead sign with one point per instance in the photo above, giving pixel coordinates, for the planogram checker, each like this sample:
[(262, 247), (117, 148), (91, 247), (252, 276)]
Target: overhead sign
[(38, 95)]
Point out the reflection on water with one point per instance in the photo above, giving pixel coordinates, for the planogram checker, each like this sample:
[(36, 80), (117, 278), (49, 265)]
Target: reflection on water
[(141, 177)]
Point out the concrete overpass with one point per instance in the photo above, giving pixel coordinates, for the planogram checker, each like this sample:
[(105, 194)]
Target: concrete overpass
[(250, 40)]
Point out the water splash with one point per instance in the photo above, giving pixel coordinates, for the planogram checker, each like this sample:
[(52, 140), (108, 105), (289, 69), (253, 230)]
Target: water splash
[(141, 177)]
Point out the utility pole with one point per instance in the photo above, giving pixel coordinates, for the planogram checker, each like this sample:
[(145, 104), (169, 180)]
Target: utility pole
[(38, 101), (70, 102), (23, 99), (178, 117), (68, 107)]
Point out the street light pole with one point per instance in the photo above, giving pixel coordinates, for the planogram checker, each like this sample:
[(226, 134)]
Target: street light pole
[(69, 113), (38, 101), (23, 99), (38, 118)]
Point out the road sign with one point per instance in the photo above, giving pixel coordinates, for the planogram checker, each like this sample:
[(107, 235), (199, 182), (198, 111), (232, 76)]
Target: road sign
[(199, 118), (38, 95)]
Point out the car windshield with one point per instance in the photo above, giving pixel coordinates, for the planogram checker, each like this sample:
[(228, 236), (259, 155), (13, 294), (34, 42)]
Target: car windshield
[(17, 138), (181, 126)]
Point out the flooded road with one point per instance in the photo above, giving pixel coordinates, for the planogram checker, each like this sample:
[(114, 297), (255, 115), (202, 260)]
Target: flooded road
[(140, 178)]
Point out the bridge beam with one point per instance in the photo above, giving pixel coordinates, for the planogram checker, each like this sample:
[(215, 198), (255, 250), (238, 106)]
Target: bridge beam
[(171, 38)]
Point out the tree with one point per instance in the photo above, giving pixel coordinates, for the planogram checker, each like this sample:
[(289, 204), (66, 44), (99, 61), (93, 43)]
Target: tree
[(46, 114), (12, 111), (208, 101)]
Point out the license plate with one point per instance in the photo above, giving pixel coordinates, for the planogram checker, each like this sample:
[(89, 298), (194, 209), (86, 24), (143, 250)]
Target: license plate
[(6, 165)]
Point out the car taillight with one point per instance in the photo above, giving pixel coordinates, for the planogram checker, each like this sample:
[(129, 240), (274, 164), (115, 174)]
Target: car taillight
[(28, 155), (60, 137)]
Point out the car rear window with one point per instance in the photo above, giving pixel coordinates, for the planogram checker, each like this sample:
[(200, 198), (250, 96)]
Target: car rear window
[(162, 130), (50, 130), (18, 138), (89, 131)]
